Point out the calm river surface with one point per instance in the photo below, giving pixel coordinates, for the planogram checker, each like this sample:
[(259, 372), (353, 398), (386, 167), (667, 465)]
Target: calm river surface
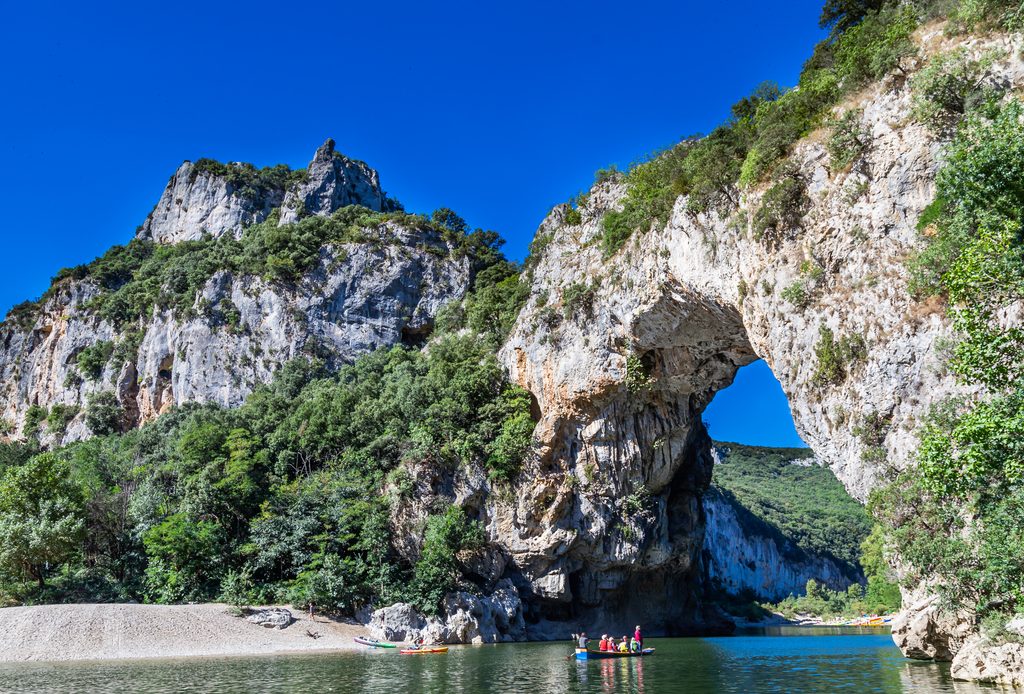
[(774, 660)]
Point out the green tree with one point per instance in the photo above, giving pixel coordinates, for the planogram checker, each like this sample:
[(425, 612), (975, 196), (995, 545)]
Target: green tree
[(185, 559), (103, 413), (41, 517), (437, 571)]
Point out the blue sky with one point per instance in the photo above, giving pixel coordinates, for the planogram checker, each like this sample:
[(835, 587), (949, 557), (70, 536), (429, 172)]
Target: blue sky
[(753, 410), (496, 110)]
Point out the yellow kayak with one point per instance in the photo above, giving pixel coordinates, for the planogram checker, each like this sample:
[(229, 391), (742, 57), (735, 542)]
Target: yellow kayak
[(423, 651)]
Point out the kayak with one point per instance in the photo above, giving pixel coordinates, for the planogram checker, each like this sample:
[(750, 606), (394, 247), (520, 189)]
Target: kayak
[(584, 654), (423, 651), (373, 643)]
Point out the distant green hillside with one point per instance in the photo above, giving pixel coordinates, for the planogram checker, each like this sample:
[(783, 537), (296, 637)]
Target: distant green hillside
[(805, 502)]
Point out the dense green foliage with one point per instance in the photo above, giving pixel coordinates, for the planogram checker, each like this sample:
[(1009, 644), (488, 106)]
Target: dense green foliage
[(782, 494), (786, 489), (284, 498), (41, 517), (958, 515), (142, 275), (245, 179), (93, 358)]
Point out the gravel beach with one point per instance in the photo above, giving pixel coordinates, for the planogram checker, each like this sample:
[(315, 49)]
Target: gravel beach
[(121, 631)]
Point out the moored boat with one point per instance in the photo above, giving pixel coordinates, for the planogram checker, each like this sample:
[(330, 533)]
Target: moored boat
[(373, 643), (584, 654), (424, 651)]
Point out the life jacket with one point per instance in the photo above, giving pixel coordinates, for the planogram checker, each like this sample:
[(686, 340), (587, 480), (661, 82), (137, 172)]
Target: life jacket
[(603, 645)]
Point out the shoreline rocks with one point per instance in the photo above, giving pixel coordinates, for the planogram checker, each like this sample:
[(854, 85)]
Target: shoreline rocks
[(467, 618)]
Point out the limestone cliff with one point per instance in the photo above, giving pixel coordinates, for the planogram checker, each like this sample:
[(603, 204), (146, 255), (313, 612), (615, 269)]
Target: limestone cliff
[(741, 556), (380, 290), (623, 353)]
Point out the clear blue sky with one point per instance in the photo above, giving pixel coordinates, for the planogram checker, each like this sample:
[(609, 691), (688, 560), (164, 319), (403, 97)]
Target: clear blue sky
[(752, 410), (498, 110)]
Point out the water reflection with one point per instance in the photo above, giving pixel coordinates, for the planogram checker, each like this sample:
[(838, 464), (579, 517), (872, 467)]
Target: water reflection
[(836, 661)]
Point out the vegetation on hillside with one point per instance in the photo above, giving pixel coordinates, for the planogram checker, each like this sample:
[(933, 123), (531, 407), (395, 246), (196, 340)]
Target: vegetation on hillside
[(287, 497), (783, 494), (135, 278), (959, 514), (787, 489), (869, 40)]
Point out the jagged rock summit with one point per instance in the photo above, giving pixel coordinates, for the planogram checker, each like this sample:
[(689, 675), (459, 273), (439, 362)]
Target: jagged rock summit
[(333, 181), (209, 198), (378, 281)]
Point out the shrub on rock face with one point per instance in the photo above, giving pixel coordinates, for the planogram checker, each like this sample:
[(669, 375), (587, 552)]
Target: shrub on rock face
[(949, 87), (94, 358), (437, 571), (782, 207), (848, 141), (104, 414)]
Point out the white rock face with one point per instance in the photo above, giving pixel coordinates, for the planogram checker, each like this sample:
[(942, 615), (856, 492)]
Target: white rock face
[(197, 202), (357, 297), (467, 619), (981, 661), (739, 559), (623, 353), (332, 182), (925, 631)]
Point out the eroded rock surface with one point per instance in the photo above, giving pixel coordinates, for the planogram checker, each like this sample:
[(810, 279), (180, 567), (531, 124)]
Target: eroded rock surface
[(981, 661), (739, 559), (622, 354), (467, 618), (357, 297)]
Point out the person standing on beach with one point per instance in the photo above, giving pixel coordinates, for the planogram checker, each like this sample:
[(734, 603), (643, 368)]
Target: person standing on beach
[(311, 617)]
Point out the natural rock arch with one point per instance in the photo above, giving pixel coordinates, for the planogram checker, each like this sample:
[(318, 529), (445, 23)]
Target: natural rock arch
[(622, 374)]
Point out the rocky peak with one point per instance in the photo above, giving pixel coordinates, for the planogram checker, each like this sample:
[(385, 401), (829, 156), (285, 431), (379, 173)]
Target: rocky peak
[(334, 181), (202, 198), (207, 197)]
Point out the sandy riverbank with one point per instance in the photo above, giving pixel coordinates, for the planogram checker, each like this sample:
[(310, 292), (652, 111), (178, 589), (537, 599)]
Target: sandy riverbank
[(108, 632)]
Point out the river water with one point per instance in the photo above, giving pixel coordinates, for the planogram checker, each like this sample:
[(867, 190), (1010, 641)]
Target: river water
[(771, 660)]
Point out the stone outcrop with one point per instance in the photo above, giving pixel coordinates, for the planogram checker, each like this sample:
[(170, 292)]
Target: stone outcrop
[(739, 558), (198, 202), (357, 297), (204, 199), (271, 618), (925, 631), (622, 354), (334, 181), (981, 661), (467, 618)]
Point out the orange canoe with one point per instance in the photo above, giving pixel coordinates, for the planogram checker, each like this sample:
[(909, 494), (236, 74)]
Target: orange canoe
[(423, 651)]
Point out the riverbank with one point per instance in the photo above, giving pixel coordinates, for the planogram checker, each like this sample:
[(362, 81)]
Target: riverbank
[(123, 631)]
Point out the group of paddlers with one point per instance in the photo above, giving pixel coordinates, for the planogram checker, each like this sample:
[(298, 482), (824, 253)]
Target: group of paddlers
[(634, 644)]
